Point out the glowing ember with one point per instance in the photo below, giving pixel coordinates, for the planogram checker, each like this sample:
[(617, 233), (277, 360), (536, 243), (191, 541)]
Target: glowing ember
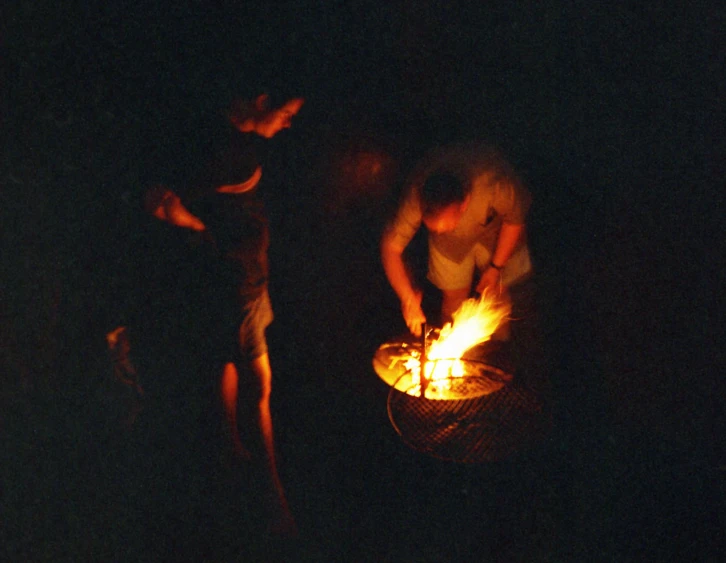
[(473, 324)]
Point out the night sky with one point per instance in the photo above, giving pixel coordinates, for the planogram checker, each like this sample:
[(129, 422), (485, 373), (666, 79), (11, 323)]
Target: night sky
[(613, 114)]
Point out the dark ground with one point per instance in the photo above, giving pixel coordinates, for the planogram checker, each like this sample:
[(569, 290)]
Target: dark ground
[(615, 117)]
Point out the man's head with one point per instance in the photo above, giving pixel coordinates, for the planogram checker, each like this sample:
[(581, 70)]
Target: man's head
[(444, 199), (260, 116)]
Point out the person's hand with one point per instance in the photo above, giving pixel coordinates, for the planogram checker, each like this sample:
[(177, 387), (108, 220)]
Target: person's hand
[(489, 281), (166, 206), (180, 216), (412, 312)]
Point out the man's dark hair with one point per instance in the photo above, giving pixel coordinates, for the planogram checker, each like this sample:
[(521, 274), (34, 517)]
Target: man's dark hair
[(441, 190)]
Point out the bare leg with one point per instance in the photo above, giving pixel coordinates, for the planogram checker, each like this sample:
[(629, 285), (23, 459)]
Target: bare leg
[(282, 521), (229, 391)]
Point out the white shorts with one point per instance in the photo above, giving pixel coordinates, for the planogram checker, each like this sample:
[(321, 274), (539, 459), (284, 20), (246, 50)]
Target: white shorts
[(446, 274)]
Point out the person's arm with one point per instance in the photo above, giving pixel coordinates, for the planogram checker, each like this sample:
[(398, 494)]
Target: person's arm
[(395, 269), (509, 236), (511, 201), (398, 277), (166, 206), (396, 237)]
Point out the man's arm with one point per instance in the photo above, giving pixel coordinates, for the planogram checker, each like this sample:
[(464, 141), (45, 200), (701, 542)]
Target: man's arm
[(511, 201), (509, 237), (395, 269), (398, 277)]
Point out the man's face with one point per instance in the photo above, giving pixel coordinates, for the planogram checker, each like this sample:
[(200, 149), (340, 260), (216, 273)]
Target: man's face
[(447, 219), (275, 120)]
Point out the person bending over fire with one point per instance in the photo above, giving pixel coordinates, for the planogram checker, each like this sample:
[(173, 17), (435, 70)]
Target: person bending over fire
[(474, 208), (222, 202)]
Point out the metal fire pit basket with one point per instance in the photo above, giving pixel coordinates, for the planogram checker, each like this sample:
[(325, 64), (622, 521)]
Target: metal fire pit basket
[(389, 362), (483, 426)]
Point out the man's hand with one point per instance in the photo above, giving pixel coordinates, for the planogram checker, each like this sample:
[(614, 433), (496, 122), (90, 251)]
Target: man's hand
[(412, 312), (489, 281)]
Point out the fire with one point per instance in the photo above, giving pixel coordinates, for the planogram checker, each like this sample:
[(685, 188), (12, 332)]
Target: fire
[(473, 323)]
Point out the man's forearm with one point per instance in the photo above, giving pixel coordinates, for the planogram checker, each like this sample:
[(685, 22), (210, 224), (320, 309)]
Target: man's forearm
[(395, 269), (509, 237)]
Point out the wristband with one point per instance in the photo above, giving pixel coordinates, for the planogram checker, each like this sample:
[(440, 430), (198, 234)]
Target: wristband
[(493, 265)]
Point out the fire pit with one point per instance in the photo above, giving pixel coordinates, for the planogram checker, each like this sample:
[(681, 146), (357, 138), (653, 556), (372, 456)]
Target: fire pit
[(463, 407), (398, 363), (490, 427)]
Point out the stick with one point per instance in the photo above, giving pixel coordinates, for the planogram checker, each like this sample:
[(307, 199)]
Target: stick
[(424, 383)]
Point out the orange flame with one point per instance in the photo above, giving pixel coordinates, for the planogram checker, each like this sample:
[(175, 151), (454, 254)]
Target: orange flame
[(473, 323)]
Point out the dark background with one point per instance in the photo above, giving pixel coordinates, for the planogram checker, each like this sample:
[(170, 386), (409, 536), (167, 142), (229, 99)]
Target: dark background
[(615, 116)]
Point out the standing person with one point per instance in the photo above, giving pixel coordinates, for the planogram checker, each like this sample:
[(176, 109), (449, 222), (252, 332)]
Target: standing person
[(222, 202), (474, 207)]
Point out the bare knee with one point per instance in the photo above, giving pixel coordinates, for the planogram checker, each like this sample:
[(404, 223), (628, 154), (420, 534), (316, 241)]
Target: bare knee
[(263, 379), (265, 391)]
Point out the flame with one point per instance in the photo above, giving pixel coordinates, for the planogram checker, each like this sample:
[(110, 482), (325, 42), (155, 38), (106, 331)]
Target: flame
[(473, 323)]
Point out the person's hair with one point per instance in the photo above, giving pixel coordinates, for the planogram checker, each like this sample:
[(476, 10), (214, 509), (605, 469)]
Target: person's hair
[(439, 191), (256, 106)]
